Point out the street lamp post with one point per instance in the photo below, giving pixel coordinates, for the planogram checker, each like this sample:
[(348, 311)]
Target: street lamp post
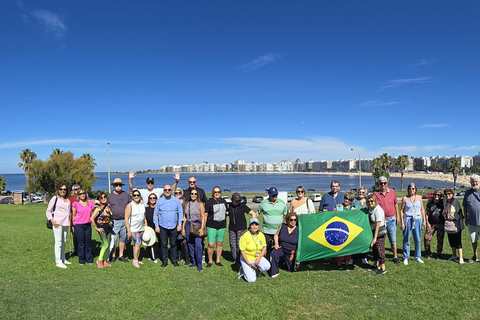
[(108, 169), (359, 168)]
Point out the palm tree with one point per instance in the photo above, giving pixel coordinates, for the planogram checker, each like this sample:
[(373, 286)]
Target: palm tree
[(454, 167), (56, 152), (26, 156), (401, 163), (90, 159), (386, 162)]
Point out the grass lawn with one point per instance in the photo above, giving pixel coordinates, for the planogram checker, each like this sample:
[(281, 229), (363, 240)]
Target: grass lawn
[(32, 287)]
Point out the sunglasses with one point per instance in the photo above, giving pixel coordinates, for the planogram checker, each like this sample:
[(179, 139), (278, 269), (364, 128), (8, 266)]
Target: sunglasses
[(217, 191), (167, 190), (63, 189), (371, 201), (75, 189), (300, 191), (193, 194), (103, 197), (383, 183), (292, 219), (81, 193), (178, 192), (150, 182), (136, 195), (152, 198), (192, 182), (438, 195), (118, 185)]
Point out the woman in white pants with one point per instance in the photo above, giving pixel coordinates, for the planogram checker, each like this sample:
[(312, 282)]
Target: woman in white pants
[(58, 213), (253, 248)]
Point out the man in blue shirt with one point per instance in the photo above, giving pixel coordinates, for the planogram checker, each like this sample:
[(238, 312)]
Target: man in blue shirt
[(331, 199), (168, 219)]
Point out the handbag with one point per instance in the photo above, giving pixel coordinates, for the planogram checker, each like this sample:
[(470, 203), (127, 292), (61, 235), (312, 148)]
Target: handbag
[(196, 227), (452, 226), (49, 223)]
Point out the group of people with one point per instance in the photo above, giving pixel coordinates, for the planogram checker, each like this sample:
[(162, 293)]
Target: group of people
[(184, 219)]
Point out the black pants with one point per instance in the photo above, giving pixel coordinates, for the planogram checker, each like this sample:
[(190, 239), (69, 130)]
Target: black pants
[(168, 235)]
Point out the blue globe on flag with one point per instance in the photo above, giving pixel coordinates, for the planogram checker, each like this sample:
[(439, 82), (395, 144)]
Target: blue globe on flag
[(336, 233)]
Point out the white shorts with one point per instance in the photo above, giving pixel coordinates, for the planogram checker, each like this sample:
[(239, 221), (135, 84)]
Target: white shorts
[(474, 233)]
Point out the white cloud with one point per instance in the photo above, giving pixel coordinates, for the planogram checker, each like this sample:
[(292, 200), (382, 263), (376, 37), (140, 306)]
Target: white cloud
[(374, 103), (262, 61), (414, 150), (51, 21), (422, 62), (434, 125), (399, 82)]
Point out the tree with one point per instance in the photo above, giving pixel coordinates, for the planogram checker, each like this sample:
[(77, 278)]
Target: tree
[(27, 156), (3, 183), (90, 159), (61, 167), (402, 162), (56, 152), (436, 167), (454, 167), (381, 167)]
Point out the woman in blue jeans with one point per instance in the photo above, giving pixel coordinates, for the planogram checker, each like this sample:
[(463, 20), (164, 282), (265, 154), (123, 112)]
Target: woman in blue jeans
[(413, 220), (194, 214), (82, 228)]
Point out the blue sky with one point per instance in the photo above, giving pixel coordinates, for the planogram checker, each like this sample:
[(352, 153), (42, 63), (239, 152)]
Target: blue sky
[(182, 82)]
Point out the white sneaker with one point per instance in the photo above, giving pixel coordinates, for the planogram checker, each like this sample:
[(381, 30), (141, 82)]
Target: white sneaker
[(155, 261), (405, 262), (364, 261), (419, 260), (461, 261), (275, 275), (452, 258), (61, 266), (67, 262)]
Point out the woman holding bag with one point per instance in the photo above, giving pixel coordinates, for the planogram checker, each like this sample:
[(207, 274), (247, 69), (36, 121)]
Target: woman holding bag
[(102, 220), (379, 230), (193, 228), (58, 213), (453, 224)]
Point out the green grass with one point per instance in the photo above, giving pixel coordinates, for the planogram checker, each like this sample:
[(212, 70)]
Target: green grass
[(32, 287)]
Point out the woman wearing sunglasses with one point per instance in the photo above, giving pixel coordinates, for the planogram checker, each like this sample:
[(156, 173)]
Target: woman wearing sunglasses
[(193, 228), (81, 211), (286, 240), (149, 209), (58, 213), (435, 223), (102, 220), (379, 230), (135, 223)]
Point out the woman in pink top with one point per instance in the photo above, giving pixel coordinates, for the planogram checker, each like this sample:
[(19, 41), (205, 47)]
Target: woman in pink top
[(82, 228), (58, 212)]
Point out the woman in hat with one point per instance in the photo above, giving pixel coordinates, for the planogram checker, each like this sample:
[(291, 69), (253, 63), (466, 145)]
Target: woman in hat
[(237, 225), (135, 223), (58, 213), (193, 228), (253, 248), (149, 209), (102, 220), (286, 240), (81, 211)]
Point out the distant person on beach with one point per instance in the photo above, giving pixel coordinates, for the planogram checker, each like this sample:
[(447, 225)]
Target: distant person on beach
[(118, 200), (150, 182), (58, 212), (168, 219), (274, 210), (332, 199), (192, 185), (435, 223), (471, 205), (387, 200), (412, 216), (217, 211)]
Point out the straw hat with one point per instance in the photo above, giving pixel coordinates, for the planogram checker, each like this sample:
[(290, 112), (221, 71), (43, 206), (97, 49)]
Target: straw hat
[(117, 181), (149, 237)]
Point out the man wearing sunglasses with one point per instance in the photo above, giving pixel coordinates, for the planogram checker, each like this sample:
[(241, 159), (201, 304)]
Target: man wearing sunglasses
[(192, 185), (168, 219), (387, 199), (118, 200), (150, 182), (273, 210)]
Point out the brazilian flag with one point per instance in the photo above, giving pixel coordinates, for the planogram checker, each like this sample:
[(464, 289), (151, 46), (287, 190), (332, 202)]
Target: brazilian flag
[(333, 234)]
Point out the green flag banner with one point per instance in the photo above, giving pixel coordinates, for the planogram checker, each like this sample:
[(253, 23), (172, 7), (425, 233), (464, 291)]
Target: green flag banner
[(333, 234)]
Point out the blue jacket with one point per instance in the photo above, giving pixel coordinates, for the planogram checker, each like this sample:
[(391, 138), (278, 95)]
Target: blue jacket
[(168, 213)]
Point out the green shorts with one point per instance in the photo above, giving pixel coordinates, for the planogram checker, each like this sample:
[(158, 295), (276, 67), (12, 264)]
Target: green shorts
[(215, 235)]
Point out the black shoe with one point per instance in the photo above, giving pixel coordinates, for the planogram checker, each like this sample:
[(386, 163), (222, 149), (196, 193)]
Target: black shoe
[(339, 267), (326, 262), (175, 264), (122, 259), (395, 260), (112, 260), (209, 265), (219, 264), (374, 268), (380, 272), (164, 264)]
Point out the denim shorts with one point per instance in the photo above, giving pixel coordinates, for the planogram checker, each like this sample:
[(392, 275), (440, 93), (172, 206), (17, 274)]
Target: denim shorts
[(392, 230), (119, 231)]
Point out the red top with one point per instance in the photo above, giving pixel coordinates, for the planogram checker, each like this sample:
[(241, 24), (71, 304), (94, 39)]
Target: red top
[(387, 202), (72, 199)]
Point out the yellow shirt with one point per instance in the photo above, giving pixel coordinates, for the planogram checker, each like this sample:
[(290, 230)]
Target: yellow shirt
[(252, 245)]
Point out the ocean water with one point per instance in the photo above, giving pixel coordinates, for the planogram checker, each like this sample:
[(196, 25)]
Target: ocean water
[(243, 182)]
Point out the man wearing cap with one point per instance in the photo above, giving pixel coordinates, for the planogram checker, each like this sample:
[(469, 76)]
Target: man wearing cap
[(150, 186), (168, 219), (332, 199), (118, 200), (192, 185), (273, 210), (73, 198), (387, 199), (471, 209)]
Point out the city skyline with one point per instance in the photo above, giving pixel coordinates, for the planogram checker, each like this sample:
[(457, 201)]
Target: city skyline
[(189, 82)]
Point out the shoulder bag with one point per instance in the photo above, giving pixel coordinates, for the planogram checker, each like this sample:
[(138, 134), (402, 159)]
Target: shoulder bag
[(49, 222)]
